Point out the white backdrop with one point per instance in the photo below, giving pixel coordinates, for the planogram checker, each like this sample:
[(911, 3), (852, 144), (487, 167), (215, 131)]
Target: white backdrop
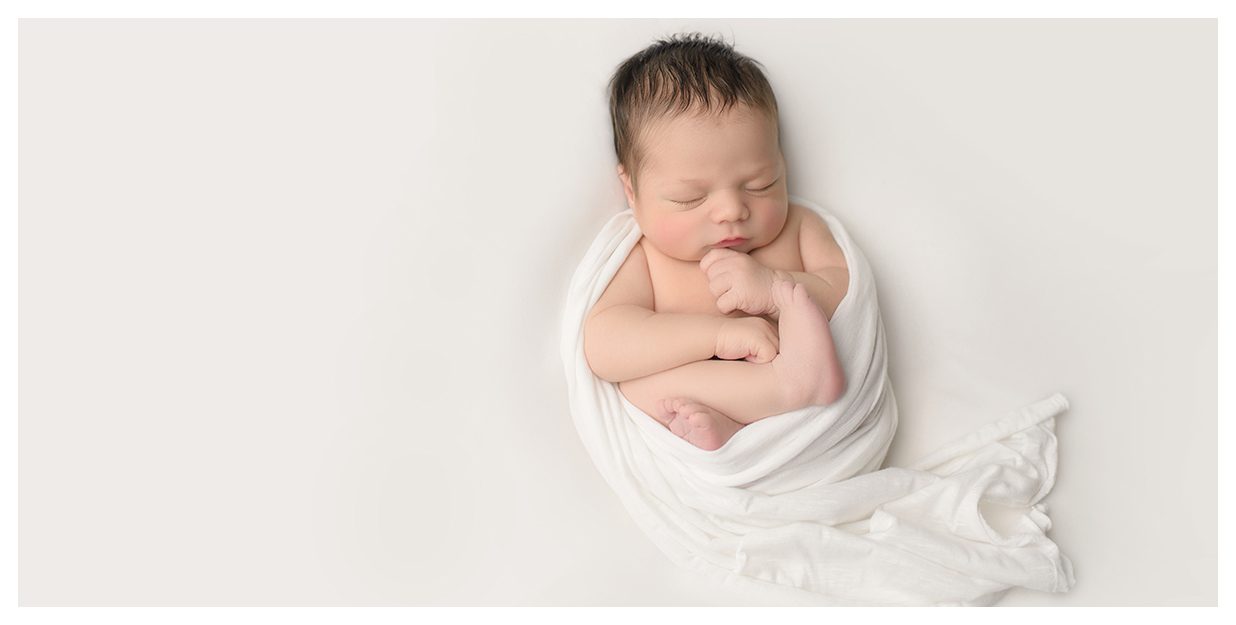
[(289, 293)]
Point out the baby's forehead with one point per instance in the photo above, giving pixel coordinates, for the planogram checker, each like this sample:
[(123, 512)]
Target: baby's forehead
[(698, 117), (662, 132), (656, 146)]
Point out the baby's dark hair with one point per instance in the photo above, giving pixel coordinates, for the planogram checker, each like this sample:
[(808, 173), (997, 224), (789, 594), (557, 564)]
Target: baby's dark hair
[(674, 75)]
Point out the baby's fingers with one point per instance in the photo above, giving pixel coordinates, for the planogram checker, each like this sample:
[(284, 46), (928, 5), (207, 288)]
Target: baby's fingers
[(774, 340), (765, 352)]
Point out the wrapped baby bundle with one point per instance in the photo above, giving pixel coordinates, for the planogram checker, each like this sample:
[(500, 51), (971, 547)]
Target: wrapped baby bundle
[(798, 499)]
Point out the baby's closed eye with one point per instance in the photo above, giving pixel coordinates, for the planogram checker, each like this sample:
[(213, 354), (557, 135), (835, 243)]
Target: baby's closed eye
[(760, 190)]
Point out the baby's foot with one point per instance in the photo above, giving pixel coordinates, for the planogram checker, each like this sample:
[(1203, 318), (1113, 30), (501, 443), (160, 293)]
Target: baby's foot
[(697, 424), (807, 364)]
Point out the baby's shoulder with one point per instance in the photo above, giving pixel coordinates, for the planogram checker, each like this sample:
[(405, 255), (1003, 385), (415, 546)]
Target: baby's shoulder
[(802, 217), (797, 213), (788, 237)]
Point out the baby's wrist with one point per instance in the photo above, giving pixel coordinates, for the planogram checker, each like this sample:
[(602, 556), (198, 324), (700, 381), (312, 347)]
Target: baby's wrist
[(778, 274)]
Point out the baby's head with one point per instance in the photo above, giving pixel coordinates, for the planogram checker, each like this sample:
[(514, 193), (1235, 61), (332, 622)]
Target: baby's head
[(699, 152)]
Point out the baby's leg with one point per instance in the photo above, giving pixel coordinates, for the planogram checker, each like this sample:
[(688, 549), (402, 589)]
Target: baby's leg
[(804, 373), (743, 391)]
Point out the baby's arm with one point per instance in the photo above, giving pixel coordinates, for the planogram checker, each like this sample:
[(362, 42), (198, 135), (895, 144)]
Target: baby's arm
[(625, 339), (625, 342), (826, 275), (822, 284)]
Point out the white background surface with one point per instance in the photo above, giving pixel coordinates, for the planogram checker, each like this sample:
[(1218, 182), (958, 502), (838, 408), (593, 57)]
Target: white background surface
[(290, 291)]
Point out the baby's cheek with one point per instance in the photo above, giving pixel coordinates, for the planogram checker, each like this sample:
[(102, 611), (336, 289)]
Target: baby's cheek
[(675, 231), (774, 221)]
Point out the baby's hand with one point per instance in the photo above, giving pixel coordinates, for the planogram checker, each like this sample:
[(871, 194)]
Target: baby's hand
[(739, 282), (749, 338)]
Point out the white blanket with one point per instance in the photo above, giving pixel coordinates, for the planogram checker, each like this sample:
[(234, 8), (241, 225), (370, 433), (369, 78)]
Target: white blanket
[(796, 499)]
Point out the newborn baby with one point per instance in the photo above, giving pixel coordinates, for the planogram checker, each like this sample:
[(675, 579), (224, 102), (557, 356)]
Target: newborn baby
[(719, 315)]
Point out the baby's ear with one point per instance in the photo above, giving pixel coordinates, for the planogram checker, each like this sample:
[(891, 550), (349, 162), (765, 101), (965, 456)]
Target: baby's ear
[(626, 185)]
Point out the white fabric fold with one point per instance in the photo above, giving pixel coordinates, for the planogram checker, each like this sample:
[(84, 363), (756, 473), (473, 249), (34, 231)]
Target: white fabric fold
[(798, 499)]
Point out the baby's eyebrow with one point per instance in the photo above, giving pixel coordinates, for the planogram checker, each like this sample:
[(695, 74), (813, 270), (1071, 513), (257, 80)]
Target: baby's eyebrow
[(758, 172)]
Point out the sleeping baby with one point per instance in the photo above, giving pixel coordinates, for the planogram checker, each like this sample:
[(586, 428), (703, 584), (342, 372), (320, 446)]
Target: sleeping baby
[(720, 314)]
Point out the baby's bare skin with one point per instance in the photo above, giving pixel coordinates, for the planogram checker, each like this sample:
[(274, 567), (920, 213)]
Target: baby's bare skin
[(749, 391), (709, 178), (706, 402)]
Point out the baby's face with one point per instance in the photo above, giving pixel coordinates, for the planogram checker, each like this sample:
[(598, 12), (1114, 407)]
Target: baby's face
[(707, 180)]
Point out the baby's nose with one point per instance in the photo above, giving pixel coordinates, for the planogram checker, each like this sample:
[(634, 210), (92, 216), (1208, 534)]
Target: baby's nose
[(733, 210)]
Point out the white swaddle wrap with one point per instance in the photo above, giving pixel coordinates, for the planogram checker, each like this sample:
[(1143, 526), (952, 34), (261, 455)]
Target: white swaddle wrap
[(796, 499)]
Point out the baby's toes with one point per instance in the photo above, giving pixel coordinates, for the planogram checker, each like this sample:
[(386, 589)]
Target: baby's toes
[(680, 427), (664, 412), (667, 409)]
